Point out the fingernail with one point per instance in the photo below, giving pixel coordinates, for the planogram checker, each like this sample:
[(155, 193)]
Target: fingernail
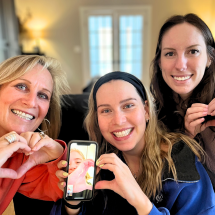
[(101, 165), (64, 162), (65, 174), (62, 183), (97, 162)]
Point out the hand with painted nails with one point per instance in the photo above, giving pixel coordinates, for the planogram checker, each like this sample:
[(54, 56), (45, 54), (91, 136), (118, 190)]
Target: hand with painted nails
[(61, 174), (194, 120), (19, 145), (124, 183), (78, 178), (42, 150)]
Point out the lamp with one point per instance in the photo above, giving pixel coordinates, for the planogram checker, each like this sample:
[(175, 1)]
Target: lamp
[(36, 35)]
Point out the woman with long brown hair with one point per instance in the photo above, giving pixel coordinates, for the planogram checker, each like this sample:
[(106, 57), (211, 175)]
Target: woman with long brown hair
[(183, 81)]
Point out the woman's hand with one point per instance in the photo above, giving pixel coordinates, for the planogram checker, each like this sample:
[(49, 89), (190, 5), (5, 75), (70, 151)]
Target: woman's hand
[(194, 118), (42, 150), (124, 183), (6, 151), (77, 177), (80, 171), (62, 175), (211, 108)]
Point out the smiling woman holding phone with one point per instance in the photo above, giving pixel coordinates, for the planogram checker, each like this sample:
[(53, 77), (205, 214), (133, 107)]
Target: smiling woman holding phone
[(142, 169), (183, 81)]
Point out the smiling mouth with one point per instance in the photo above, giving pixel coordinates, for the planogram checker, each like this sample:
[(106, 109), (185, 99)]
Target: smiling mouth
[(23, 115), (182, 78), (123, 133)]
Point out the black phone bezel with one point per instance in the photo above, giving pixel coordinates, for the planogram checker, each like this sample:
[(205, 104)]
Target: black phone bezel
[(208, 118), (80, 142)]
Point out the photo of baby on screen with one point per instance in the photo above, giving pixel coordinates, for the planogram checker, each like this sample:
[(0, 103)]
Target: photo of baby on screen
[(81, 170)]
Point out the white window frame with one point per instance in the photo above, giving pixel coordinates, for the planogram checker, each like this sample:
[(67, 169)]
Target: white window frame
[(85, 12)]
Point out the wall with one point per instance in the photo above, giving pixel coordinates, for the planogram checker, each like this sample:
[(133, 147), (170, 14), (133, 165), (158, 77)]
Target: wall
[(60, 20)]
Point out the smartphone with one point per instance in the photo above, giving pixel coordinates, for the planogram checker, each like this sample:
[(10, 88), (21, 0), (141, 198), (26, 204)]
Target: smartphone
[(81, 159), (208, 118)]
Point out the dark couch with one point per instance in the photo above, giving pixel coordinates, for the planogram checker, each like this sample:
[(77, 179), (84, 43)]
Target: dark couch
[(73, 114)]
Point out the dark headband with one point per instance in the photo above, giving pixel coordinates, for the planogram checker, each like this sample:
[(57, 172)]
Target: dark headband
[(119, 76)]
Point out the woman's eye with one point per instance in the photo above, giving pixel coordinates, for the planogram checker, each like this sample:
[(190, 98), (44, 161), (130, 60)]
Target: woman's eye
[(170, 54), (194, 51), (43, 96), (105, 111), (21, 86), (128, 106)]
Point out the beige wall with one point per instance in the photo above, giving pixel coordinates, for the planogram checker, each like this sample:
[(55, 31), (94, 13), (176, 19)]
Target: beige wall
[(60, 20)]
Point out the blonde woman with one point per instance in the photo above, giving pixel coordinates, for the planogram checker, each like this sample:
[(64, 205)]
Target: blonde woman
[(30, 89), (143, 169)]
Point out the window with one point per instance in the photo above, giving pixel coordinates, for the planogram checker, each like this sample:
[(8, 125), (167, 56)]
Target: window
[(115, 39)]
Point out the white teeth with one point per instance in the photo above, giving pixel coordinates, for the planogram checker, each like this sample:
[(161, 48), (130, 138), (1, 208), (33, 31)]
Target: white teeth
[(122, 133), (23, 115), (181, 78)]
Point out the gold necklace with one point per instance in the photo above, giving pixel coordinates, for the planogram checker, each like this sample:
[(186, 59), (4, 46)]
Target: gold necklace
[(135, 174)]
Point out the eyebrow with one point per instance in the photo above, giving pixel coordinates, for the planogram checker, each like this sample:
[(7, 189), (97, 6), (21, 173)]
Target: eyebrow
[(124, 100), (30, 83), (186, 48)]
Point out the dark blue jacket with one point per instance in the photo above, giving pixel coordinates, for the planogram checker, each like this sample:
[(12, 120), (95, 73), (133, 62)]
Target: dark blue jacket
[(192, 194)]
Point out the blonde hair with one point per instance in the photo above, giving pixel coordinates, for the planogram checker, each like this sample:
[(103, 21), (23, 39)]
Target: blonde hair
[(15, 67), (87, 176), (157, 150)]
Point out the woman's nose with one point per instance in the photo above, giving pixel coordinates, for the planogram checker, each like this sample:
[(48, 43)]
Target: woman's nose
[(181, 63), (72, 165), (30, 100), (119, 118)]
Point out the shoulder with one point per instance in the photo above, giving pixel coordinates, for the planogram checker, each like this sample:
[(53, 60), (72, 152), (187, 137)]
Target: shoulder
[(188, 197), (193, 192), (185, 164)]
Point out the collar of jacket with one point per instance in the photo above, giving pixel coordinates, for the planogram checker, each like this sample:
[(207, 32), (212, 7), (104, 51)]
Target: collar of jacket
[(184, 160)]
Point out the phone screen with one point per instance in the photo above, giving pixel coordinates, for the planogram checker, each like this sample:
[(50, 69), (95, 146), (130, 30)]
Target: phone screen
[(81, 168)]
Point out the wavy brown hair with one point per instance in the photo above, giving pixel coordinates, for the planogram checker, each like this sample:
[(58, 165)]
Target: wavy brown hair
[(172, 110), (15, 67), (157, 150)]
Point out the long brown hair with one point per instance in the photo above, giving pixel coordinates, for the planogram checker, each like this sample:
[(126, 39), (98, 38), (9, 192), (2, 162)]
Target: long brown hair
[(163, 94), (154, 154)]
